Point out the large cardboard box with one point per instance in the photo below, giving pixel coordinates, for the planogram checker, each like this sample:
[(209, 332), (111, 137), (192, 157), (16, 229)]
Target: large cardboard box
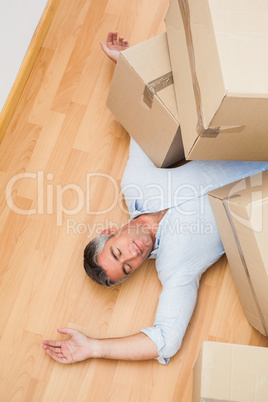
[(219, 59), (227, 372), (142, 98), (241, 213)]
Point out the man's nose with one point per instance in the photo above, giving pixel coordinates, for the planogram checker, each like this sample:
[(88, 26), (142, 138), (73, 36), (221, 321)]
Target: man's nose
[(131, 252)]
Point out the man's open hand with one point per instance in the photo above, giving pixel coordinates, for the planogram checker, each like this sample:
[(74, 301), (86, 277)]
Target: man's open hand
[(114, 45), (71, 350)]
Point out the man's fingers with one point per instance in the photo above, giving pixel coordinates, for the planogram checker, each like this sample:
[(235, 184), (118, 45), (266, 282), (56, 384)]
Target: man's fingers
[(114, 37), (54, 344), (123, 41), (53, 351), (113, 40), (66, 331), (109, 39), (56, 356), (57, 344)]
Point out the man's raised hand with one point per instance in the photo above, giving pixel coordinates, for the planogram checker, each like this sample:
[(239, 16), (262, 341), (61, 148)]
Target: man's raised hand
[(114, 45)]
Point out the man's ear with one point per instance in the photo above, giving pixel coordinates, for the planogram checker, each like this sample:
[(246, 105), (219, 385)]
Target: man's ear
[(109, 231)]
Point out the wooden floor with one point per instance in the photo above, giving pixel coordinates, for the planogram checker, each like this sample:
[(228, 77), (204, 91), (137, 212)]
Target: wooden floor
[(61, 132)]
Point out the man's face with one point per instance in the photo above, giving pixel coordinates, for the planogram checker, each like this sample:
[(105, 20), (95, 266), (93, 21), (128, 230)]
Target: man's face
[(125, 251)]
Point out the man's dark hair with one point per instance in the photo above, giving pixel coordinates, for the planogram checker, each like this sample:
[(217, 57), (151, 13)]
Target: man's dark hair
[(92, 268)]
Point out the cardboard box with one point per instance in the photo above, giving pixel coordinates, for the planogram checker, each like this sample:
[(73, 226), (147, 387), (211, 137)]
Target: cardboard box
[(142, 98), (241, 213), (226, 372), (219, 59)]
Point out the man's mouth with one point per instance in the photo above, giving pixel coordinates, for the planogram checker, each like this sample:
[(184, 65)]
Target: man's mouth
[(138, 247)]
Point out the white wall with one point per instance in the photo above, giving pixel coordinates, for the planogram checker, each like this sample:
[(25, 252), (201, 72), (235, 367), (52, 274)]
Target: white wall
[(18, 21)]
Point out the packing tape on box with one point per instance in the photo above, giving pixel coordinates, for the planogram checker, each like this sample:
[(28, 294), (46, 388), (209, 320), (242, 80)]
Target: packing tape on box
[(243, 261), (212, 132), (155, 86)]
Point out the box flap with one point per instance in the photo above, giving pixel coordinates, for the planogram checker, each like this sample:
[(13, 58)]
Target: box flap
[(150, 59)]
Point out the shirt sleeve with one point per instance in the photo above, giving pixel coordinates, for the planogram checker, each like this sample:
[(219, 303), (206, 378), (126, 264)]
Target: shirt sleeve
[(176, 305)]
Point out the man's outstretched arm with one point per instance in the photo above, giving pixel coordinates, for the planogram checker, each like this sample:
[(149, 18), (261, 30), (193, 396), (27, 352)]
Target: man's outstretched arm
[(114, 45), (80, 347)]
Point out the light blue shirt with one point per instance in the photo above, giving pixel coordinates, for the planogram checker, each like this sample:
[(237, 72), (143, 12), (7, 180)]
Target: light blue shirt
[(187, 240)]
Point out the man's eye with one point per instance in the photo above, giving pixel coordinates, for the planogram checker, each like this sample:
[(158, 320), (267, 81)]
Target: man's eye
[(126, 269), (119, 252)]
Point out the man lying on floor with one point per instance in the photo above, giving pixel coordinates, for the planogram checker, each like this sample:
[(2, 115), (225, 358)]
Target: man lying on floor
[(171, 221)]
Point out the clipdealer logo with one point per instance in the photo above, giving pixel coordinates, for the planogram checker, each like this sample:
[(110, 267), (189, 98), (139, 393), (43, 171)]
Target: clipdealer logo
[(50, 196)]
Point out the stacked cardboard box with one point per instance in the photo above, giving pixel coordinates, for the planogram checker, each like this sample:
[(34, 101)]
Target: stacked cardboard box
[(142, 98), (241, 213), (216, 53), (219, 59), (226, 372)]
